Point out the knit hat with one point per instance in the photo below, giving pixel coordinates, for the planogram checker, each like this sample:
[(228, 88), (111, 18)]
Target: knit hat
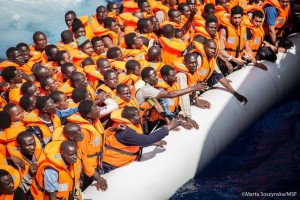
[(82, 41)]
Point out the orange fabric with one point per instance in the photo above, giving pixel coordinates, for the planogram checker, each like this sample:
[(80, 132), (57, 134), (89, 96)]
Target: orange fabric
[(106, 32), (160, 6), (129, 80), (107, 90), (257, 37), (16, 178), (173, 102), (68, 89), (32, 119), (156, 65), (68, 176), (118, 65), (88, 29), (133, 102), (172, 48), (68, 47), (115, 158), (130, 7), (234, 37), (78, 56), (93, 138), (26, 68), (93, 75), (38, 155), (282, 18), (15, 95), (2, 103), (36, 56)]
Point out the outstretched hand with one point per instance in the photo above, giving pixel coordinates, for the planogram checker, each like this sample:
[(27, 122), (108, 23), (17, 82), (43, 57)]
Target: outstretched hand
[(241, 98), (160, 143), (101, 183), (201, 103), (173, 124)]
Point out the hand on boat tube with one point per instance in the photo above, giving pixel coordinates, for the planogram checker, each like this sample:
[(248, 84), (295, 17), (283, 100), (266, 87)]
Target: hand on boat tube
[(101, 183), (241, 98), (201, 87), (193, 123), (174, 123), (160, 143), (201, 103)]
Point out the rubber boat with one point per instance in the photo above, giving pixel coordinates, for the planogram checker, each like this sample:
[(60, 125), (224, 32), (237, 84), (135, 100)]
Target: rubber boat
[(162, 171)]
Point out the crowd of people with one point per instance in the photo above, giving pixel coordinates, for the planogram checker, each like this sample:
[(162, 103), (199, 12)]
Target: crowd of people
[(118, 81)]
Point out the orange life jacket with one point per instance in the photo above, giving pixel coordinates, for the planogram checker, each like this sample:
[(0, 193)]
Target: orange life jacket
[(78, 56), (68, 47), (127, 19), (88, 29), (173, 103), (16, 179), (117, 65), (172, 48), (58, 135), (235, 38), (258, 35), (160, 6), (137, 54), (130, 7), (100, 31), (15, 95), (26, 68), (32, 119), (93, 75), (68, 89), (68, 176), (36, 55), (118, 154), (156, 65), (107, 90), (93, 138), (2, 103), (38, 155), (251, 8), (9, 135), (129, 80), (282, 17)]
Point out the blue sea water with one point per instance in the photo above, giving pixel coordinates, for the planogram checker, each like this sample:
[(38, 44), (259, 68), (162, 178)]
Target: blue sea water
[(264, 159)]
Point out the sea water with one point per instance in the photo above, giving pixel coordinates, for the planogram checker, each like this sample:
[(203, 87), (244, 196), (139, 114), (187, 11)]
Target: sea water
[(262, 163)]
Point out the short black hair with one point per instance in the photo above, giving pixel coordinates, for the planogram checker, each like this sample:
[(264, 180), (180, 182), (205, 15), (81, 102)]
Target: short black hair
[(66, 37), (60, 56), (8, 73), (36, 34), (41, 102), (25, 102), (140, 3), (65, 66), (96, 39), (3, 173), (142, 23), (25, 86), (70, 12), (112, 52), (128, 112), (209, 7), (22, 44), (75, 77), (110, 5), (108, 73), (8, 107), (56, 96), (172, 11), (168, 31), (129, 39), (99, 7), (87, 61), (257, 13), (145, 72), (211, 19), (236, 10), (65, 145), (181, 6), (120, 87), (10, 51), (165, 70), (22, 135), (85, 107), (108, 21), (76, 24), (130, 64), (145, 40), (44, 81), (78, 94), (5, 120), (49, 48), (188, 56)]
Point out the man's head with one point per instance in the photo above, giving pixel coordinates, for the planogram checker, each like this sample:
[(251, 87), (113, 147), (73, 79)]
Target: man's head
[(184, 9), (123, 91), (13, 54), (78, 28), (101, 13), (88, 110), (63, 57), (67, 69), (133, 41), (5, 121), (133, 67), (46, 105), (78, 79), (98, 45), (132, 114), (145, 25), (284, 3), (30, 89), (144, 6), (115, 53), (113, 7), (257, 18), (25, 51), (168, 31), (26, 143), (66, 37), (155, 23), (223, 3), (40, 40), (12, 75), (178, 33), (149, 75), (68, 152), (69, 17), (41, 72), (103, 65), (174, 15), (87, 61), (111, 79), (190, 61), (236, 15), (85, 45), (49, 84), (209, 9), (211, 25), (27, 102), (60, 99), (6, 182), (79, 94), (15, 112), (111, 24), (154, 54), (51, 50), (210, 48), (73, 132), (168, 74)]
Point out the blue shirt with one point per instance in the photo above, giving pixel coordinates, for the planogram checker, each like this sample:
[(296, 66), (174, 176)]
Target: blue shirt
[(271, 15), (66, 113), (50, 180)]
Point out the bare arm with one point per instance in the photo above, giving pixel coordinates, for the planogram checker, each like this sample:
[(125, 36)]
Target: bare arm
[(165, 94), (108, 43), (272, 33)]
